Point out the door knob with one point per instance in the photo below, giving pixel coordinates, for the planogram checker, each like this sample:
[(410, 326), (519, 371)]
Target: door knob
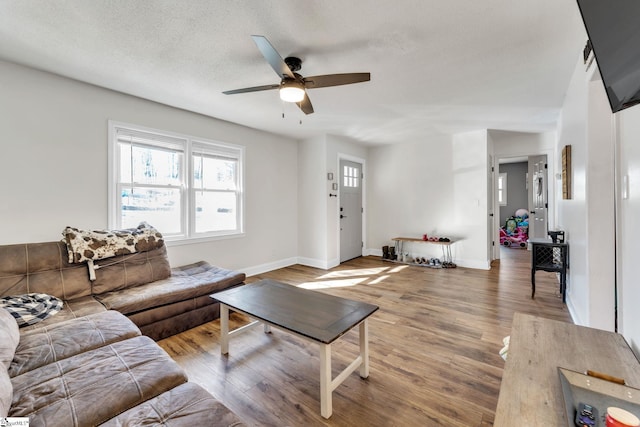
[(342, 216)]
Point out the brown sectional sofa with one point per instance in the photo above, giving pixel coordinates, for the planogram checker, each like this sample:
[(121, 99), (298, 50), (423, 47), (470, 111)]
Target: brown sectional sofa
[(91, 363), (98, 370), (161, 301)]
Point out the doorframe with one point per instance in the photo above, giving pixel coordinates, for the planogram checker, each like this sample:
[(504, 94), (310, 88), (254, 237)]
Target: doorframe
[(552, 185), (363, 181)]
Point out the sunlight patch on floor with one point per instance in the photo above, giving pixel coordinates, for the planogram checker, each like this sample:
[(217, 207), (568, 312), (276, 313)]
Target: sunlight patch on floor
[(327, 284), (379, 279), (398, 269), (356, 272)]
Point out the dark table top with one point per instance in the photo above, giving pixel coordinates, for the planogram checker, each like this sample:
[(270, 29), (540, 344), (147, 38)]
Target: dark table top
[(312, 314)]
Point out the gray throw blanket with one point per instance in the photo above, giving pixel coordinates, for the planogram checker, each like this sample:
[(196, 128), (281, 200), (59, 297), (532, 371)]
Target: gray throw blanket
[(29, 309)]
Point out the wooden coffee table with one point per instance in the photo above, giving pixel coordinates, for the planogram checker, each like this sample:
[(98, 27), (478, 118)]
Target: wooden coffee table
[(308, 314)]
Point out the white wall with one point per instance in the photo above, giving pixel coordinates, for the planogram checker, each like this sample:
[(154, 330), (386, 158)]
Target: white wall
[(53, 167), (628, 131), (588, 218), (470, 189), (430, 187), (313, 197)]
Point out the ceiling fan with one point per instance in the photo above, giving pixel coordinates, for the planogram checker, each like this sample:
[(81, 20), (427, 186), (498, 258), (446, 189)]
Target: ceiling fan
[(292, 85)]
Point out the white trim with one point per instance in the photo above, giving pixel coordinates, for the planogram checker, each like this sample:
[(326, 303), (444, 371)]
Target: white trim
[(270, 266), (313, 262), (186, 144)]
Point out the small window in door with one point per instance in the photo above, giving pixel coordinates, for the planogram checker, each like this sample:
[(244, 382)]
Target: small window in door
[(502, 189), (350, 177)]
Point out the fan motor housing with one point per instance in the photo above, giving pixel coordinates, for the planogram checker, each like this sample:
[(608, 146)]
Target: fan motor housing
[(293, 63)]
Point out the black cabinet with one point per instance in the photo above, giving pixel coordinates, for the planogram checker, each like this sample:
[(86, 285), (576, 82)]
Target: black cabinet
[(549, 256)]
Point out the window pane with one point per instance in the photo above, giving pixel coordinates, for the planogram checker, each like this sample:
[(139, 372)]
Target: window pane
[(215, 211), (149, 165), (214, 173), (158, 207)]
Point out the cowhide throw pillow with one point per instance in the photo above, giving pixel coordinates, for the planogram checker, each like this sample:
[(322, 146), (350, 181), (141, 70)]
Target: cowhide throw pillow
[(84, 245)]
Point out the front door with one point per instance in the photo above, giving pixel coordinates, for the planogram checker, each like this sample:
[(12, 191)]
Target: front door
[(538, 197), (350, 210)]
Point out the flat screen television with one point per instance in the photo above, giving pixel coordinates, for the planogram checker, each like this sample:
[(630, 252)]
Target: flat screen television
[(613, 27)]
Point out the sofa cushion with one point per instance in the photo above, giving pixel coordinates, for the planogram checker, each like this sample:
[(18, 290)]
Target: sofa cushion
[(6, 392), (126, 271), (65, 339), (72, 309), (41, 268), (9, 338), (89, 388), (186, 405), (187, 282)]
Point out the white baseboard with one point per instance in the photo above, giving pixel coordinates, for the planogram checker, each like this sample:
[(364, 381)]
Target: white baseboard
[(315, 263), (264, 268), (480, 265), (573, 313)]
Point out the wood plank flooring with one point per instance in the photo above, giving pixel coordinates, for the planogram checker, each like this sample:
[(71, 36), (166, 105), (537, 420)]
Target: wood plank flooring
[(433, 346)]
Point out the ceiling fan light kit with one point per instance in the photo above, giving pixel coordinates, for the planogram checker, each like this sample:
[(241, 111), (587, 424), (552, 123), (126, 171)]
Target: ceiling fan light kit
[(291, 90), (292, 85)]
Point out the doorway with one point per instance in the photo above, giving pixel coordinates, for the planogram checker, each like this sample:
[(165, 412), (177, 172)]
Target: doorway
[(351, 177), (521, 201)]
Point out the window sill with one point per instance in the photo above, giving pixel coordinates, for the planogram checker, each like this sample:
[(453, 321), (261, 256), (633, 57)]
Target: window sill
[(196, 240)]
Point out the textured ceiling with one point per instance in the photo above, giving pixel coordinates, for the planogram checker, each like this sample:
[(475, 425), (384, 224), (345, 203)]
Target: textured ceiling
[(436, 66)]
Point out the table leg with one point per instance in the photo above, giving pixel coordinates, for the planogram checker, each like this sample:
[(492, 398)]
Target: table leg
[(326, 407), (364, 349), (533, 283), (224, 329)]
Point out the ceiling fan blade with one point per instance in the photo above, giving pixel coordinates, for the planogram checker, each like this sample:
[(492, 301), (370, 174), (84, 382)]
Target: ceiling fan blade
[(251, 89), (327, 80), (273, 57), (305, 105)]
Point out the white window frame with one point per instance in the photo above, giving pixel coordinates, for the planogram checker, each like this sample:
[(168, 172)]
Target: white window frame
[(190, 145), (502, 189)]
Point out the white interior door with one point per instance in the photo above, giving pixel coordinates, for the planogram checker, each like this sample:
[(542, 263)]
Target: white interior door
[(538, 197), (350, 210)]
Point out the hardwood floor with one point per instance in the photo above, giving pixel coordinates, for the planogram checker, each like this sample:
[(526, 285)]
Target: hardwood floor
[(433, 346)]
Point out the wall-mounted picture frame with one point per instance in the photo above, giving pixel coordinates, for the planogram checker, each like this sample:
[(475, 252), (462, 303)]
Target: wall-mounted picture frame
[(566, 172)]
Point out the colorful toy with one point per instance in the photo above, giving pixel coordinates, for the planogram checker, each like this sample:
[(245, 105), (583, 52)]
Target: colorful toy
[(515, 231)]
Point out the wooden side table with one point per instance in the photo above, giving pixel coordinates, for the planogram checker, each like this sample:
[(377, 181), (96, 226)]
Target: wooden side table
[(549, 256)]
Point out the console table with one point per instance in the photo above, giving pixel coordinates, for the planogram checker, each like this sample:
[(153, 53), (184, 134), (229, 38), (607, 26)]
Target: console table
[(549, 256), (446, 246), (530, 393)]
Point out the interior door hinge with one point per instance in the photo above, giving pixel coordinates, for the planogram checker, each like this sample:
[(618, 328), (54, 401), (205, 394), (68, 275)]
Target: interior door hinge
[(362, 244), (492, 170), (493, 243), (361, 210), (545, 165)]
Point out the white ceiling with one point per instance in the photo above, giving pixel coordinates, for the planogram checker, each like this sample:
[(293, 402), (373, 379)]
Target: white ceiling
[(436, 65)]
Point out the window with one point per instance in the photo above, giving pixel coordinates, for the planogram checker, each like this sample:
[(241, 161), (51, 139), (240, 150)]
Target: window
[(502, 189), (185, 187), (350, 177)]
